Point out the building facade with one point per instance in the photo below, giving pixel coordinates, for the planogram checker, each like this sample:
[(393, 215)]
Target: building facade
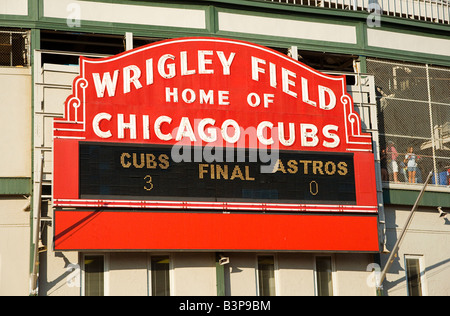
[(395, 58)]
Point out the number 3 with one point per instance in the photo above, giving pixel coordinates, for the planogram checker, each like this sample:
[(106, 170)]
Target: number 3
[(149, 184)]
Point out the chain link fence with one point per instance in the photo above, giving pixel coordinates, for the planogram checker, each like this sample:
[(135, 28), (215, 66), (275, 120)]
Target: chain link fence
[(413, 103), (14, 48)]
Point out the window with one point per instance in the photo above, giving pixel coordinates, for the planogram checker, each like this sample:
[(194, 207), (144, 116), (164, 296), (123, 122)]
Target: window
[(14, 48), (94, 275), (413, 276), (324, 276), (160, 276), (266, 276), (84, 44)]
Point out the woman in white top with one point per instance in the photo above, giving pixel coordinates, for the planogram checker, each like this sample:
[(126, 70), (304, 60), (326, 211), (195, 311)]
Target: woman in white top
[(411, 163)]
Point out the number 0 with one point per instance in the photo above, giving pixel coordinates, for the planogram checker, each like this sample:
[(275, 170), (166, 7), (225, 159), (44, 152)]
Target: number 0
[(314, 188)]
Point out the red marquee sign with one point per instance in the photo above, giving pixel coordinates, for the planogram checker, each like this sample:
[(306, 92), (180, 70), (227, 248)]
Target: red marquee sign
[(206, 124)]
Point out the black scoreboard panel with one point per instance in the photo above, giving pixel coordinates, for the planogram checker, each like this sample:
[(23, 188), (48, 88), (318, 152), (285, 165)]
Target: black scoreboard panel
[(167, 173)]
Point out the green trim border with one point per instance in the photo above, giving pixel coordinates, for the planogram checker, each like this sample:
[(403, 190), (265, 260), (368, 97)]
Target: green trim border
[(15, 186), (409, 197)]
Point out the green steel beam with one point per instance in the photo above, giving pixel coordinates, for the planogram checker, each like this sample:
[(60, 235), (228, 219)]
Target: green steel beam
[(407, 197), (220, 277), (15, 186)]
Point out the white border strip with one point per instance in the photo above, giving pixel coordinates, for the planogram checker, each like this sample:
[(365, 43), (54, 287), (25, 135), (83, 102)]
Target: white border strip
[(214, 206), (408, 42), (241, 23), (14, 7), (123, 13)]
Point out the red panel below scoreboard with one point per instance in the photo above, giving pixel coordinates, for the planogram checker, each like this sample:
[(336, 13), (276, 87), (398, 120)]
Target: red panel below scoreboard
[(101, 230)]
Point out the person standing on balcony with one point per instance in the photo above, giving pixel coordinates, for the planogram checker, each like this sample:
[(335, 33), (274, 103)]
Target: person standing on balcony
[(392, 155), (411, 163)]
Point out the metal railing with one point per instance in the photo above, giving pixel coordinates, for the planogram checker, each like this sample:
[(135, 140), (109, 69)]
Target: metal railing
[(436, 11)]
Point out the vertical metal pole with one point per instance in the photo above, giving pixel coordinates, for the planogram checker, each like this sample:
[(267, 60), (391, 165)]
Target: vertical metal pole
[(443, 12), (431, 9), (437, 11), (433, 140), (220, 277), (129, 41), (407, 10), (420, 11), (448, 13), (37, 227), (294, 52), (11, 53)]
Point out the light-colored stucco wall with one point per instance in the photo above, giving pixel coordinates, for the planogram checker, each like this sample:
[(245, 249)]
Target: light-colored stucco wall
[(14, 247), (15, 162), (427, 238), (15, 120)]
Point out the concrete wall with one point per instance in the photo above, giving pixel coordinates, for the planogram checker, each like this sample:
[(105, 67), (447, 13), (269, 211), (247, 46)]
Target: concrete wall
[(15, 162), (194, 274), (428, 238), (15, 120), (295, 276), (14, 247)]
